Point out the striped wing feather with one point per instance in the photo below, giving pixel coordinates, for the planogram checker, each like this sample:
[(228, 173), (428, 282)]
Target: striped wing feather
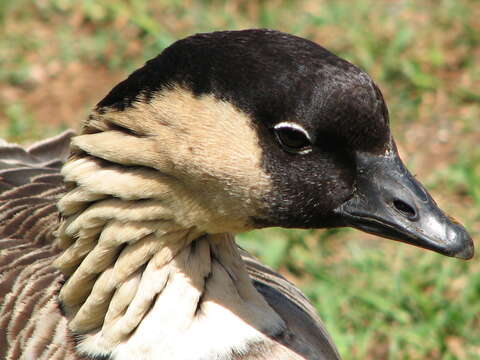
[(30, 185)]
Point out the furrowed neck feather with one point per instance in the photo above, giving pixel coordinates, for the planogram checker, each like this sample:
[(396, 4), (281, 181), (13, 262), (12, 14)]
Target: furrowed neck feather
[(146, 267)]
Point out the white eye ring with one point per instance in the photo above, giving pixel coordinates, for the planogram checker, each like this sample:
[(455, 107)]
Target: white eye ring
[(296, 127), (292, 125)]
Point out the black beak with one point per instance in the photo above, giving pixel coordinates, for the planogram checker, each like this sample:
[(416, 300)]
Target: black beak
[(390, 202)]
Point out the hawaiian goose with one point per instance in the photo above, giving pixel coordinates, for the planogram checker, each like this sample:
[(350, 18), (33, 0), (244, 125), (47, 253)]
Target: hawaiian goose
[(221, 133)]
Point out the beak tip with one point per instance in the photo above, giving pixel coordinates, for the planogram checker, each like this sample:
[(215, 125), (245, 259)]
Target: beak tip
[(466, 253), (463, 247)]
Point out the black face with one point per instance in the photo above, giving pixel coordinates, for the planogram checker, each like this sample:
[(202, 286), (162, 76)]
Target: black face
[(311, 154), (276, 77), (322, 125)]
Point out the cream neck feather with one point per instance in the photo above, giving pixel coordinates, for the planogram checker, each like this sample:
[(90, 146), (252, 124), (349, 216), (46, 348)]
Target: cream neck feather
[(146, 276)]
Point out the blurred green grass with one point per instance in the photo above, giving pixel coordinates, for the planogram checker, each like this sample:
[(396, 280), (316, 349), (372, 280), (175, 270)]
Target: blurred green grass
[(379, 300)]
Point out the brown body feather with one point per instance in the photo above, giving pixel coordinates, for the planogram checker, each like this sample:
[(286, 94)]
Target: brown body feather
[(31, 323)]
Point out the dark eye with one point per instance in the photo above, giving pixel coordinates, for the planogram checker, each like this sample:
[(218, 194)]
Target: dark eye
[(293, 138)]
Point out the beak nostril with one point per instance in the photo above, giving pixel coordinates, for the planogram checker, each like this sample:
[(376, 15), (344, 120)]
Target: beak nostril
[(405, 209)]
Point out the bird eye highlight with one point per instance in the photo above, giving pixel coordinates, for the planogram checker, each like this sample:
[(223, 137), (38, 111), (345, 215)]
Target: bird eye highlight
[(293, 138)]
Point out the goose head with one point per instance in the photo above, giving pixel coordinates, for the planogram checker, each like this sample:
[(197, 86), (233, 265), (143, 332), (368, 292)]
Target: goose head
[(258, 128)]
